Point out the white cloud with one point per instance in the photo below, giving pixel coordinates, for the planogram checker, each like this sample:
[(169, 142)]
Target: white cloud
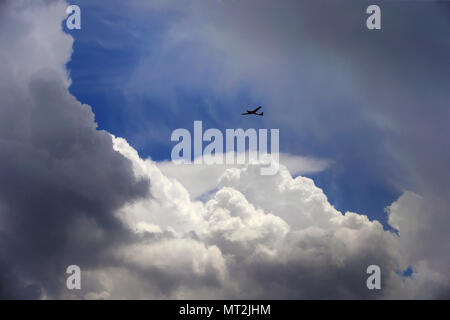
[(200, 179), (294, 229), (292, 243)]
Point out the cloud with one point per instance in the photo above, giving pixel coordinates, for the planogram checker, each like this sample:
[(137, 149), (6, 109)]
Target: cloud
[(421, 222), (267, 247), (328, 78), (243, 244), (72, 194), (61, 180), (202, 179), (375, 101)]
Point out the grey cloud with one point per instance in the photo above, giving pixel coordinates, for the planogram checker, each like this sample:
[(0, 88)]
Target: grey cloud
[(61, 179)]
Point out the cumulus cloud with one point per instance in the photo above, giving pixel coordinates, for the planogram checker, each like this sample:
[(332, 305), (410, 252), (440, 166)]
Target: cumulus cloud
[(72, 194), (291, 245), (201, 179), (61, 179)]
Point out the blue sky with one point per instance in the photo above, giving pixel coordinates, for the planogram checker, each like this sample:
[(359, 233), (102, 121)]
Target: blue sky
[(112, 46)]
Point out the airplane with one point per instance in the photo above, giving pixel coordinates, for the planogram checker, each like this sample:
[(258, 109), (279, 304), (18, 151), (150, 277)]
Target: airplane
[(253, 112)]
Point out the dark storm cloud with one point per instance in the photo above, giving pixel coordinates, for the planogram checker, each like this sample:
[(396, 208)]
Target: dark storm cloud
[(61, 182)]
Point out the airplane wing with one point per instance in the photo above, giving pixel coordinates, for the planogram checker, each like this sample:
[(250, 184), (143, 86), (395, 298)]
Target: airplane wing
[(256, 109)]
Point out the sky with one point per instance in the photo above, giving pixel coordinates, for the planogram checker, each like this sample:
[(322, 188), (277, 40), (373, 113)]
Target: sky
[(86, 176), (120, 50)]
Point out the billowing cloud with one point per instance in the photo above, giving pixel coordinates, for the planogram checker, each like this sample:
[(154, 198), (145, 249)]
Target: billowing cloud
[(293, 244), (72, 194), (61, 179), (200, 179)]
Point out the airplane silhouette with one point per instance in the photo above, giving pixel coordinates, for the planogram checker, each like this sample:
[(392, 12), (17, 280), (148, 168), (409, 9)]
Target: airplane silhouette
[(253, 112)]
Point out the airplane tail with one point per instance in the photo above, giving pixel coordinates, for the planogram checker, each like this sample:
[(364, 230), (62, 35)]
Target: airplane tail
[(261, 114)]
